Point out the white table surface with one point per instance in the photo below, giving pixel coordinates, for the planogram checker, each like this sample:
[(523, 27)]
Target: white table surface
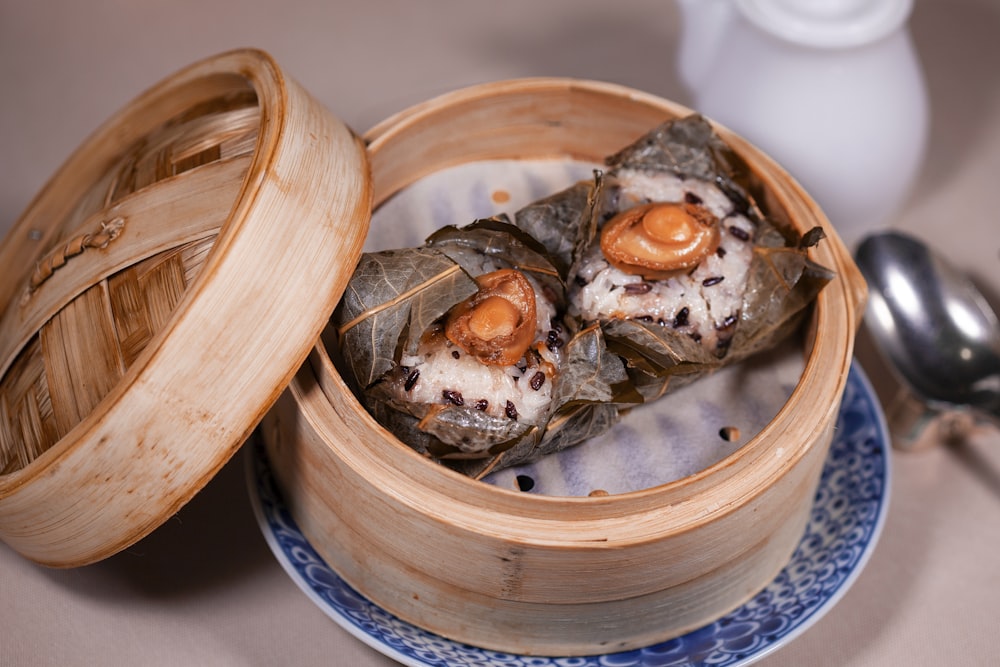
[(203, 589)]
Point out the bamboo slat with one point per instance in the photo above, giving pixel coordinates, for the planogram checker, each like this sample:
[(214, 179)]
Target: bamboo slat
[(98, 303), (143, 296), (178, 211)]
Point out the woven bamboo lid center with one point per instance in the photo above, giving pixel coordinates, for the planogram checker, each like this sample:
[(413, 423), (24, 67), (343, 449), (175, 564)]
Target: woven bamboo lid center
[(115, 269)]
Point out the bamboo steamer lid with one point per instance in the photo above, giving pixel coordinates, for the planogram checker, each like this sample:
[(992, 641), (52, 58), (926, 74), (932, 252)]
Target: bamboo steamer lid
[(158, 295)]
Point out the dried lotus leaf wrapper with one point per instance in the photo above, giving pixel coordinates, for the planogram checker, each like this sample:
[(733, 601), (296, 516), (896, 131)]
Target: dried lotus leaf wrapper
[(565, 223), (744, 298), (396, 355), (496, 242), (391, 294)]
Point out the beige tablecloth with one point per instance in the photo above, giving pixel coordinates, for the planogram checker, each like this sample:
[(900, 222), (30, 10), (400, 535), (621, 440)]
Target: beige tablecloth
[(204, 589)]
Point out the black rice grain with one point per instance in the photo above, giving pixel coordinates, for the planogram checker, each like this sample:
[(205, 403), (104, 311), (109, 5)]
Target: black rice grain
[(411, 379), (455, 397), (537, 380), (638, 288), (740, 233)]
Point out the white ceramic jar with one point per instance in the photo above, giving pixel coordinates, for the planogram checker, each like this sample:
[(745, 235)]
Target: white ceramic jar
[(831, 89)]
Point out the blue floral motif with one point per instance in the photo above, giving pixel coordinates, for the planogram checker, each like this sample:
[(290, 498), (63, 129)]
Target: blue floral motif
[(846, 519)]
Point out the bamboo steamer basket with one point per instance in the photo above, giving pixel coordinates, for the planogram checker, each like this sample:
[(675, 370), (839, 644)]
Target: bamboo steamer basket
[(557, 575), (164, 288), (159, 293)]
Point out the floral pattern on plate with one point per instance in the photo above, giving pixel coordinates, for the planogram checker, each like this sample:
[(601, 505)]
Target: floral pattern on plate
[(844, 526)]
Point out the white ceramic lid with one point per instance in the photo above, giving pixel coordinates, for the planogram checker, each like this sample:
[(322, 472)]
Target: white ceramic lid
[(159, 294), (828, 23)]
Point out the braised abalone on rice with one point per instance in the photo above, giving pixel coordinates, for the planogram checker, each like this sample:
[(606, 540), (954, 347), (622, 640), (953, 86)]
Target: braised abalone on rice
[(672, 258), (500, 342), (670, 251)]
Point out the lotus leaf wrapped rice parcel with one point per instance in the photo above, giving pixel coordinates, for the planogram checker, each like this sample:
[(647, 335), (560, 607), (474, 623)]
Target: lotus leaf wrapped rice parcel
[(514, 337)]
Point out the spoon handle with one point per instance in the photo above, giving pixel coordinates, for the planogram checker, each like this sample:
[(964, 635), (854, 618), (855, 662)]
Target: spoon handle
[(916, 424)]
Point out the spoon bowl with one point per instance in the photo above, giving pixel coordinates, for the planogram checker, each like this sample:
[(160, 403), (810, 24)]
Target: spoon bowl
[(931, 323)]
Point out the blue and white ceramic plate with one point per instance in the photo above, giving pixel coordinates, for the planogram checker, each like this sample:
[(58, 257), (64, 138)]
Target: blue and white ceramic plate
[(847, 518)]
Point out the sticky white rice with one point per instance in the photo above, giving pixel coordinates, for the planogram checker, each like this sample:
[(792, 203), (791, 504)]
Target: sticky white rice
[(446, 374), (704, 303)]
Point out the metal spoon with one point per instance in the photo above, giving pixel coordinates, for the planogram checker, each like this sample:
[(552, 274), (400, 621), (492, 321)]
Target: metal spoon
[(932, 324)]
